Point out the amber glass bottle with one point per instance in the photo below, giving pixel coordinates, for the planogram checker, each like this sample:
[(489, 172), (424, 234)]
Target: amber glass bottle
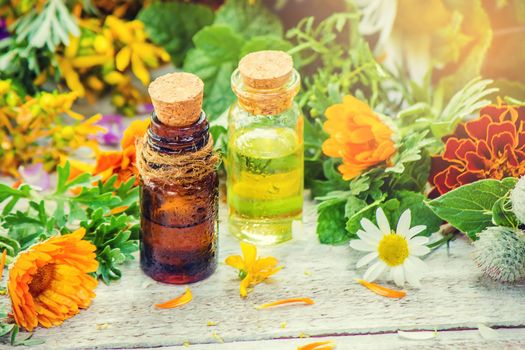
[(179, 185)]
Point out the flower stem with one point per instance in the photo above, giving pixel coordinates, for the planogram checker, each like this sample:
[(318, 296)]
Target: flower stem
[(447, 237)]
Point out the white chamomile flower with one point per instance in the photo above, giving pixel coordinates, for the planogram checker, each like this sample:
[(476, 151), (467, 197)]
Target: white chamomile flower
[(394, 253)]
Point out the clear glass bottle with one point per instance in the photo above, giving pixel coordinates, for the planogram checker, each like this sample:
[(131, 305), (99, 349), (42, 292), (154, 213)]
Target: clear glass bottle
[(179, 224), (265, 150)]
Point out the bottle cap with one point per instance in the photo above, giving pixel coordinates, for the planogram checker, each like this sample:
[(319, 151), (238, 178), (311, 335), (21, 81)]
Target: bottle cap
[(177, 98), (266, 69)]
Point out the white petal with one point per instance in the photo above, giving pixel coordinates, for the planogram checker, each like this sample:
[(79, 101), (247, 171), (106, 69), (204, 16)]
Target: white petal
[(416, 230), (363, 246), (368, 237), (382, 221), (374, 271), (411, 275), (419, 250), (399, 275), (417, 335), (420, 240), (365, 260), (369, 227), (403, 225), (416, 264), (487, 332)]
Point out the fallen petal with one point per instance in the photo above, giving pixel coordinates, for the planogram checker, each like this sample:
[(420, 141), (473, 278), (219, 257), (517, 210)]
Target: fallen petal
[(183, 299), (383, 291), (306, 301), (486, 332), (424, 335), (319, 345)]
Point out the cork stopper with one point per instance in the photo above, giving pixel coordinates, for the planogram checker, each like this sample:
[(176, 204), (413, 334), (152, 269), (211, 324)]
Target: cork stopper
[(177, 98), (266, 69)]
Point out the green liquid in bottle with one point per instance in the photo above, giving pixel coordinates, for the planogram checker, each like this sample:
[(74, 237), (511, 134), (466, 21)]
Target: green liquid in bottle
[(265, 183)]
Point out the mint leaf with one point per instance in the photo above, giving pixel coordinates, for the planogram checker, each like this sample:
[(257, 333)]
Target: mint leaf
[(469, 208), (173, 24), (265, 42), (331, 224), (249, 19)]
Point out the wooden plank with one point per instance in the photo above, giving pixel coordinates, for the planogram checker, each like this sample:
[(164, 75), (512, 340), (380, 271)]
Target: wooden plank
[(454, 295), (467, 339)]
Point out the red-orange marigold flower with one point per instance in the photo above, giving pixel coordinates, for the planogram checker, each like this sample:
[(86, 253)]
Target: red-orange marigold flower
[(489, 147), (357, 135)]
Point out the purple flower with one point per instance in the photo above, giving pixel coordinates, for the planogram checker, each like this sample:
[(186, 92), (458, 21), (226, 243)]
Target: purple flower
[(4, 33), (35, 175), (114, 125), (145, 108)]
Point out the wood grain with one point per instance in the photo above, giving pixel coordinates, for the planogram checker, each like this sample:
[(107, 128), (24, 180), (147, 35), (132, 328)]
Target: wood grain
[(454, 295)]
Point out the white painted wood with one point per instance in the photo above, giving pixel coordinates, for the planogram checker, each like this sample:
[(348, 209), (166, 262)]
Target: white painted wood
[(467, 339), (454, 295)]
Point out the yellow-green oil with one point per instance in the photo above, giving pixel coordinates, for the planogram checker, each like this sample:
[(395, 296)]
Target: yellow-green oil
[(265, 183)]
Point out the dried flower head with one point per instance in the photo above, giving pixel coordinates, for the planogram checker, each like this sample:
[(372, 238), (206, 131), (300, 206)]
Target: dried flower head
[(500, 253), (517, 198)]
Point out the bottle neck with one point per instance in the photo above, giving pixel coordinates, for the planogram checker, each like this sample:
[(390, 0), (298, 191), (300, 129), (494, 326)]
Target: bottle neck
[(265, 101), (176, 140)]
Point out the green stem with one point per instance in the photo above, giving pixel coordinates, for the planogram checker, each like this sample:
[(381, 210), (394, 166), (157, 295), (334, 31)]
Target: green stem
[(446, 238)]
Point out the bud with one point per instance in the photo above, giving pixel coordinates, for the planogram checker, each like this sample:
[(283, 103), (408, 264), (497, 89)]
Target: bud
[(517, 198), (500, 253)]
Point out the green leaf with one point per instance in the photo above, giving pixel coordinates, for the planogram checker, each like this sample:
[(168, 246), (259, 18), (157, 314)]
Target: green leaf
[(173, 24), (214, 60), (421, 213), (249, 19), (265, 42), (331, 225), (353, 223), (469, 208), (475, 24), (502, 214)]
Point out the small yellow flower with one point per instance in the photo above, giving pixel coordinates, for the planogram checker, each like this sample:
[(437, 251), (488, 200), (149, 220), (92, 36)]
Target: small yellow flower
[(135, 51), (252, 270)]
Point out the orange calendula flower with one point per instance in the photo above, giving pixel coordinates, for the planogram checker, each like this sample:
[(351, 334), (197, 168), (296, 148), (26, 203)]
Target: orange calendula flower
[(252, 270), (306, 301), (357, 135), (50, 282), (122, 162), (182, 299)]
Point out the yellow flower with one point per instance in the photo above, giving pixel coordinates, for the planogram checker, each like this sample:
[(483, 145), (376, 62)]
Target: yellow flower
[(135, 51), (357, 135), (79, 135), (94, 48), (252, 270), (50, 282)]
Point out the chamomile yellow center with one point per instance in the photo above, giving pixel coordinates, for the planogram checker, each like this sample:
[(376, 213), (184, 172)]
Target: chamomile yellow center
[(393, 249)]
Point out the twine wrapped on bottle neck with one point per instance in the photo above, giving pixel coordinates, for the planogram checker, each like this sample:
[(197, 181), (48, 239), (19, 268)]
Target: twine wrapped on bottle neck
[(168, 169), (177, 99)]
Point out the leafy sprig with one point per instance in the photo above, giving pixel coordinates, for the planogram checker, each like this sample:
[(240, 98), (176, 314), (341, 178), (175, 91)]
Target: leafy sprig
[(109, 215)]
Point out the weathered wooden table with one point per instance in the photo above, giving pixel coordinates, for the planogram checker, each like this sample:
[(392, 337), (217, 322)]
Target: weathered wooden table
[(454, 300)]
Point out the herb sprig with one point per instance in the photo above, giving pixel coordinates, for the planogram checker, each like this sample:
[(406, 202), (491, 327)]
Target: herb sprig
[(109, 215)]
